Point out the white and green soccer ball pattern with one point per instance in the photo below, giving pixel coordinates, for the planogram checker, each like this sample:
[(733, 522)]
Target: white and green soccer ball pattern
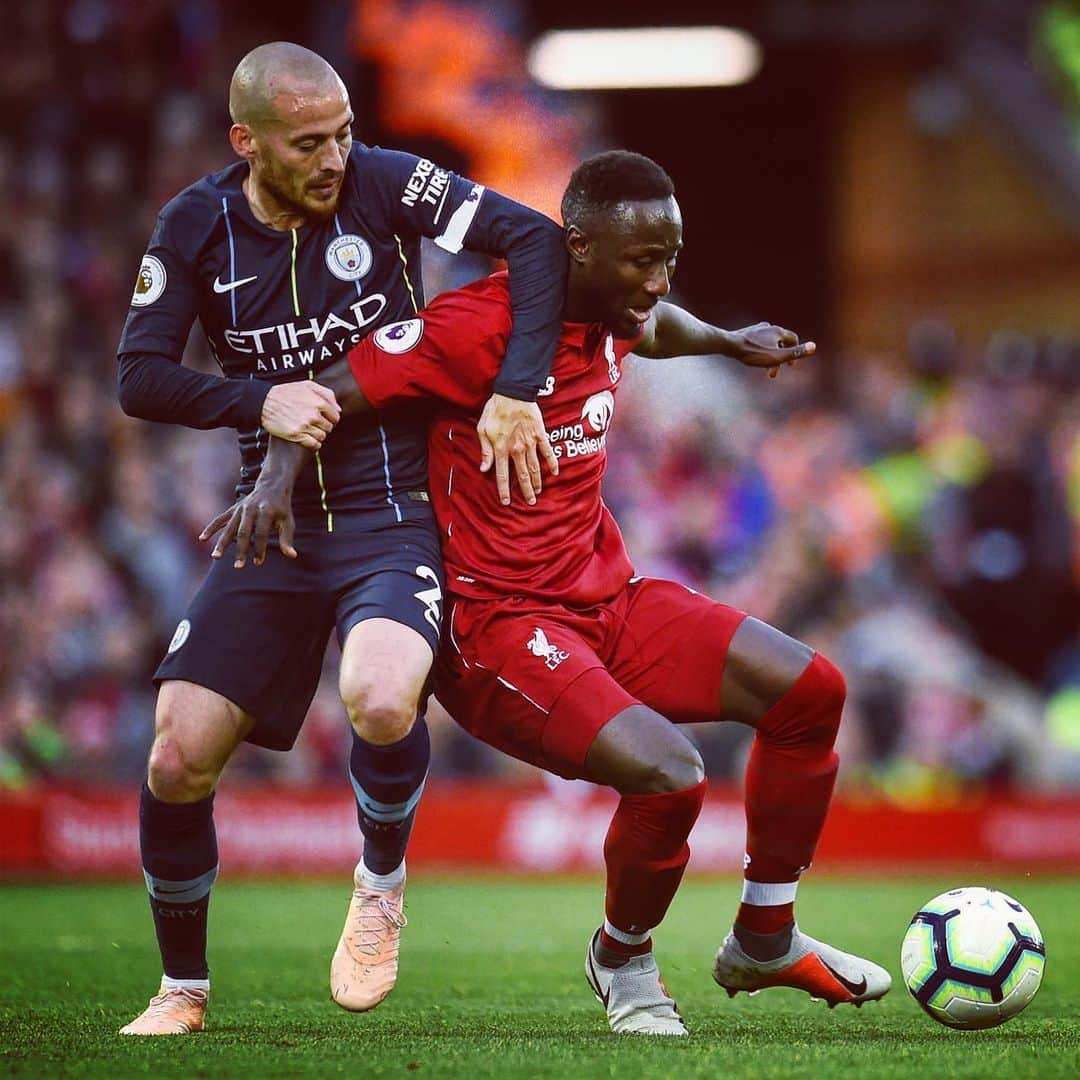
[(973, 957)]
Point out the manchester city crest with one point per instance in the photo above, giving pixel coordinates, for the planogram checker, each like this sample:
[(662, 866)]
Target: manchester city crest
[(348, 257)]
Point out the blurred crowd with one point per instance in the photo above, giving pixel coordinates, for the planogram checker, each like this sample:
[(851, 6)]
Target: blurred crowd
[(916, 516)]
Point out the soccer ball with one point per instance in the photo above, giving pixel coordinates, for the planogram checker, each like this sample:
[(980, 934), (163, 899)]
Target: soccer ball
[(973, 958)]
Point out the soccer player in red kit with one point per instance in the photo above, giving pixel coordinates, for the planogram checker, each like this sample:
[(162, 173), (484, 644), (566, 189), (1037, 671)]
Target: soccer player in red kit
[(554, 652)]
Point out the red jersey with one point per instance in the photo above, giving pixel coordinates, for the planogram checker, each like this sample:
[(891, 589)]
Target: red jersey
[(567, 548)]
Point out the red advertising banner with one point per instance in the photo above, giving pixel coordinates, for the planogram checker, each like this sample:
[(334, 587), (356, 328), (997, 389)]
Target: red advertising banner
[(69, 833)]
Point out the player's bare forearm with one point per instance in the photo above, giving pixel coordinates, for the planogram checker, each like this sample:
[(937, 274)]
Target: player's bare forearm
[(267, 509), (675, 332), (282, 465), (338, 377)]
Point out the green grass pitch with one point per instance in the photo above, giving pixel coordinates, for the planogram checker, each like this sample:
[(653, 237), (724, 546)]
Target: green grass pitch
[(492, 986)]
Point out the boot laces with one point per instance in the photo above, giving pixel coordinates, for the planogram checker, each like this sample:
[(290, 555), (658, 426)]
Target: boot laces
[(372, 922), (167, 998)]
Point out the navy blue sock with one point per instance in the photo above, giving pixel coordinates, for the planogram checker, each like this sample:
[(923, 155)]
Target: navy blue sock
[(388, 781), (180, 863)]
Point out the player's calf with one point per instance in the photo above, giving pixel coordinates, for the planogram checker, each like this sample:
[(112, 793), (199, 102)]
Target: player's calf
[(789, 782)]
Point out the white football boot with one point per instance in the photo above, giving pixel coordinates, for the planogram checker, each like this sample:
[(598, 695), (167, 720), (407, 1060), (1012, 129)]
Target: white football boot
[(836, 977), (634, 995)]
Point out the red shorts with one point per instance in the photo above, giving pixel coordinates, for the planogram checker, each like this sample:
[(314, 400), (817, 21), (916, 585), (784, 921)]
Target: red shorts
[(538, 681)]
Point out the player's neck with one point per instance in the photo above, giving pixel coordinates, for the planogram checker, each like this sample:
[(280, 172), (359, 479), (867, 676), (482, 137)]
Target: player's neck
[(267, 209), (576, 308)]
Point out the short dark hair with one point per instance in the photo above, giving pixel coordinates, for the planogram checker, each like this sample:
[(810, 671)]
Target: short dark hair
[(610, 178)]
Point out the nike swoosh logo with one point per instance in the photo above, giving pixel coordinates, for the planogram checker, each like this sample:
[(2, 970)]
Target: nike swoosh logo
[(230, 285), (856, 988), (595, 980)]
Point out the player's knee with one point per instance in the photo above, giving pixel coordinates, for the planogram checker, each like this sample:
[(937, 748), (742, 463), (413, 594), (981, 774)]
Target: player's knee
[(831, 688), (809, 713), (831, 691), (684, 769), (174, 777), (380, 712), (677, 770), (831, 682)]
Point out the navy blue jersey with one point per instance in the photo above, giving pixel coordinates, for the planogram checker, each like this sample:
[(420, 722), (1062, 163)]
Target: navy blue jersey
[(281, 305)]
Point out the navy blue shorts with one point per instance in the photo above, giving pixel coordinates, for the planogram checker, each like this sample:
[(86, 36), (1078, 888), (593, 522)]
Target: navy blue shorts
[(257, 635)]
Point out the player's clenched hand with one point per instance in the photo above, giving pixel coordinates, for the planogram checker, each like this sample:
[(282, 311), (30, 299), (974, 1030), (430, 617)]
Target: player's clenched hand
[(251, 520), (302, 412), (512, 430), (768, 346)]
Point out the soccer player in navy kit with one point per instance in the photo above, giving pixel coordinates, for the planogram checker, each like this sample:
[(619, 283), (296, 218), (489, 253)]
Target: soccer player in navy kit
[(288, 259)]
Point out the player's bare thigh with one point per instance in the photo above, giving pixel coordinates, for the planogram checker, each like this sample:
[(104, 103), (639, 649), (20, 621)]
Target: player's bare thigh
[(761, 665), (384, 667), (196, 731), (639, 752)]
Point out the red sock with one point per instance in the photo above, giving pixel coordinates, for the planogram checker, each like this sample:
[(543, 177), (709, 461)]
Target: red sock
[(789, 784), (646, 852), (762, 919), (621, 947)]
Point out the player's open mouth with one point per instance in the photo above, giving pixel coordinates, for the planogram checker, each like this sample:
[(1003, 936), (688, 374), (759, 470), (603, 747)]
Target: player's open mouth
[(640, 314)]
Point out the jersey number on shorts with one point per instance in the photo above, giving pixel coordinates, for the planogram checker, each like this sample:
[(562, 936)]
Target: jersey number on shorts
[(430, 598)]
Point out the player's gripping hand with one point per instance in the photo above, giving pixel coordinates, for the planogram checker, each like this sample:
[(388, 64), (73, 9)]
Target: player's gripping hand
[(302, 412), (251, 520), (768, 346), (514, 430)]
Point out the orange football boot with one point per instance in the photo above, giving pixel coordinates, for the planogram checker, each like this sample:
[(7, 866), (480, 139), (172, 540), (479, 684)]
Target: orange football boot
[(179, 1010), (365, 964)]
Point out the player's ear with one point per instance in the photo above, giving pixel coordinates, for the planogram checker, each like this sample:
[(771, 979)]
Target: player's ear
[(577, 243), (240, 136)]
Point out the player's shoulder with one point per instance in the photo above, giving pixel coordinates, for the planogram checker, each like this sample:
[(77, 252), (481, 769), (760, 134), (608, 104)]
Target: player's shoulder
[(383, 169), (190, 216), (485, 303), (203, 198), (392, 174), (462, 325)]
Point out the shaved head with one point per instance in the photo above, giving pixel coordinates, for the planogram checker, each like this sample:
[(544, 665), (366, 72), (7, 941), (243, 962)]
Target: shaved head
[(292, 124), (278, 70)]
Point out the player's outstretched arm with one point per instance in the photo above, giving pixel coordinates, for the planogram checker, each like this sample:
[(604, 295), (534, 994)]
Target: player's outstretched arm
[(340, 383), (675, 332), (266, 510), (153, 387)]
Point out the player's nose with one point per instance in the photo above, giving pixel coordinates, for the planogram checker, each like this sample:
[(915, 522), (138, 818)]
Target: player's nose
[(659, 283), (332, 160)]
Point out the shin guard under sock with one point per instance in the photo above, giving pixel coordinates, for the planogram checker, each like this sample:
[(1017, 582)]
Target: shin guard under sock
[(180, 863), (789, 784), (388, 782), (646, 853)]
